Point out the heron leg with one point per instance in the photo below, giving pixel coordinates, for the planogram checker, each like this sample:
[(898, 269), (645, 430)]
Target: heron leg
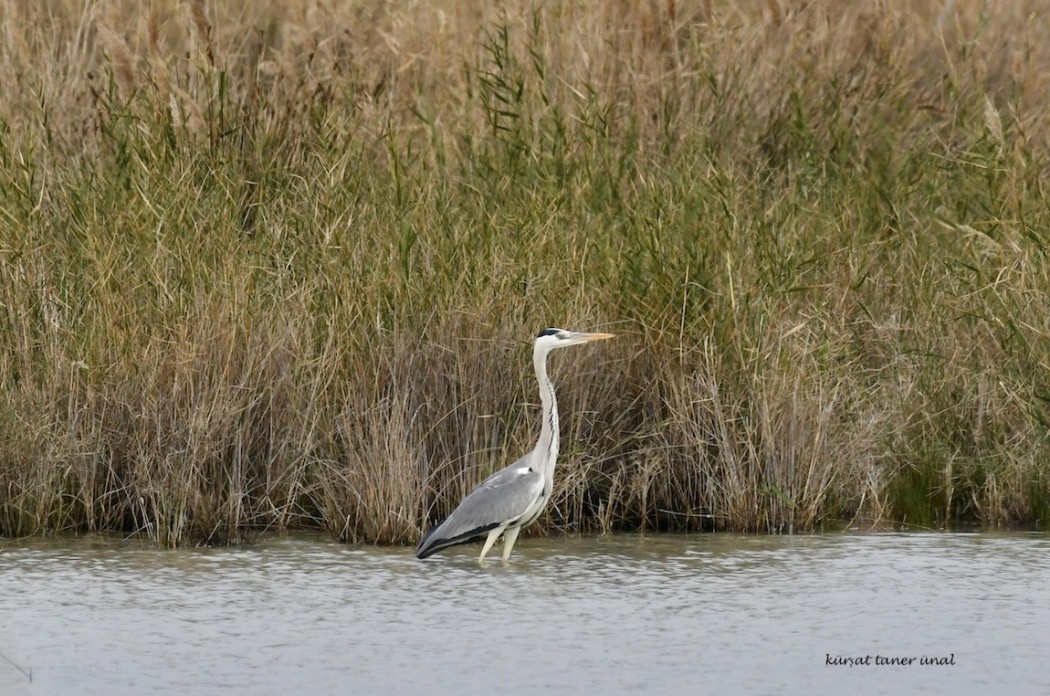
[(493, 535), (509, 537)]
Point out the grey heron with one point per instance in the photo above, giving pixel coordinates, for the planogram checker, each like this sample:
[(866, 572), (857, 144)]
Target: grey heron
[(513, 497)]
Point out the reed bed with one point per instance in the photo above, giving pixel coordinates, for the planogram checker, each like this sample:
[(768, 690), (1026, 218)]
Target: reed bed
[(276, 264)]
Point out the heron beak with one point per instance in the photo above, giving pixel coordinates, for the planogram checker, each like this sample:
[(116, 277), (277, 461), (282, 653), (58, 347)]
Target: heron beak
[(587, 337)]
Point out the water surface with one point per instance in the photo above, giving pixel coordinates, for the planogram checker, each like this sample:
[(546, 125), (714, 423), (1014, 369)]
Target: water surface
[(615, 615)]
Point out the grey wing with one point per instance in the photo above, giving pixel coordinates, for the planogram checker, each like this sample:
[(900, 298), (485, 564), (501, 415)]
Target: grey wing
[(500, 499)]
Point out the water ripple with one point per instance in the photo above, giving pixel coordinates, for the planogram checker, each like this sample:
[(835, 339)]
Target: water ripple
[(620, 614)]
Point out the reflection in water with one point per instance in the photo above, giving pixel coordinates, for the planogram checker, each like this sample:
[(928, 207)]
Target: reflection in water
[(621, 614)]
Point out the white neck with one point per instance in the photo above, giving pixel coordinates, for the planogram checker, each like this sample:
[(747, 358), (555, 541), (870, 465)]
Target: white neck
[(546, 453)]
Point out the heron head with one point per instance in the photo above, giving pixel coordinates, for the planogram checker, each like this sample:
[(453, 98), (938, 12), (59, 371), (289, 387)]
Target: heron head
[(550, 339)]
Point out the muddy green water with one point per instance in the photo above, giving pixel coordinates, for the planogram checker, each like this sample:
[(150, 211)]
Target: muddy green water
[(712, 614)]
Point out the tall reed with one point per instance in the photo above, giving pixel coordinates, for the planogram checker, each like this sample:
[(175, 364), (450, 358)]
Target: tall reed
[(276, 265)]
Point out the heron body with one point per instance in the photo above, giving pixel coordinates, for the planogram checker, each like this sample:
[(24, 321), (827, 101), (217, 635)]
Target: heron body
[(513, 497)]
